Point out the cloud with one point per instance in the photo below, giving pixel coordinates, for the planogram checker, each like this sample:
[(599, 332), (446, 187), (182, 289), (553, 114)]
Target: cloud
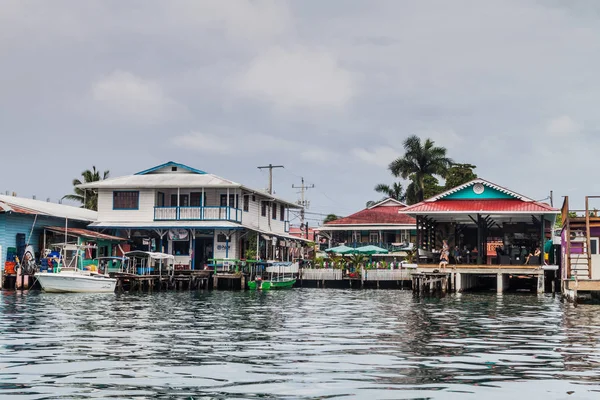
[(320, 156), (562, 126), (232, 144), (241, 20), (131, 96), (300, 78), (380, 156)]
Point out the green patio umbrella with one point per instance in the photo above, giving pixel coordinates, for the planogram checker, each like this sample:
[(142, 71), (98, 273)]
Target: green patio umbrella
[(370, 250), (340, 250)]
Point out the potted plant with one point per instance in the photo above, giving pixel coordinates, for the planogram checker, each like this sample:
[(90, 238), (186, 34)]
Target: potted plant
[(409, 260)]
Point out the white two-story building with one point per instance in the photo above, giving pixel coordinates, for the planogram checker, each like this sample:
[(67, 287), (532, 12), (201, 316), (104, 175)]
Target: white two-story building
[(194, 215)]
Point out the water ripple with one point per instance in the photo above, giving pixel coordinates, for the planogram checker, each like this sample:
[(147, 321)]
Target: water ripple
[(304, 343)]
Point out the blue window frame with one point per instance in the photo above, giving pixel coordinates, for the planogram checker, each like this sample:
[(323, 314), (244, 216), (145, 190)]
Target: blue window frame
[(126, 200)]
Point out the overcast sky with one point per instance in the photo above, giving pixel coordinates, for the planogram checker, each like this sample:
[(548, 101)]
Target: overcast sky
[(329, 89)]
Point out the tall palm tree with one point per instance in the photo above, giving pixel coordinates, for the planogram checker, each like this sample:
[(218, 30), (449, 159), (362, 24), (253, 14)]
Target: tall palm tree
[(396, 191), (87, 197), (420, 160)]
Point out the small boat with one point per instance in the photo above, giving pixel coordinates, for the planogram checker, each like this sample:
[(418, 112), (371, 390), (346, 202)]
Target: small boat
[(278, 281), (71, 279), (75, 281)]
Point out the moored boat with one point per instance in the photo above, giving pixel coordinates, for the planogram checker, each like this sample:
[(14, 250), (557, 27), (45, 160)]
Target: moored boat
[(75, 281)]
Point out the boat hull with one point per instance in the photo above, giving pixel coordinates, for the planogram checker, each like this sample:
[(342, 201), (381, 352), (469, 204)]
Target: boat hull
[(74, 283), (283, 284)]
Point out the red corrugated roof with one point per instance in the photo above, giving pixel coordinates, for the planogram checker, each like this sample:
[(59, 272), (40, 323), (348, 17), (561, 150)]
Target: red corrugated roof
[(488, 206), (85, 233), (377, 215), (4, 207)]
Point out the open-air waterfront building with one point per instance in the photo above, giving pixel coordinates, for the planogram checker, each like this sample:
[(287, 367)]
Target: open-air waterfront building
[(485, 223), (194, 215)]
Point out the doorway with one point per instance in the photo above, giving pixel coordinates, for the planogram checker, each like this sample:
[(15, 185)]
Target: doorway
[(203, 252)]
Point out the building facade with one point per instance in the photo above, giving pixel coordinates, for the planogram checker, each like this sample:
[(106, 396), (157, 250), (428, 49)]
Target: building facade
[(23, 221), (194, 215), (383, 225)]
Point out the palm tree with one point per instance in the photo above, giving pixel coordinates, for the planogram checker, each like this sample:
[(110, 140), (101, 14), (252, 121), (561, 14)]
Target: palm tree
[(420, 160), (396, 191), (87, 197)]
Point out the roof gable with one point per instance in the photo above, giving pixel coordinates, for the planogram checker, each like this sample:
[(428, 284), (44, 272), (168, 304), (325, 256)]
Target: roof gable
[(387, 203), (170, 167), (479, 189)]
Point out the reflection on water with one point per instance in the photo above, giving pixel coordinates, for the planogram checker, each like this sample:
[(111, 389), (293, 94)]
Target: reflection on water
[(302, 343)]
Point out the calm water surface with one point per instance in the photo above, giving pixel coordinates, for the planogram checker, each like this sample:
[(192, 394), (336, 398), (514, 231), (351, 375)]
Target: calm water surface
[(302, 343)]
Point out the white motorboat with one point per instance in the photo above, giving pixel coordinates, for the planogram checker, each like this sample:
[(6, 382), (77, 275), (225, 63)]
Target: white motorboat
[(76, 281), (69, 278)]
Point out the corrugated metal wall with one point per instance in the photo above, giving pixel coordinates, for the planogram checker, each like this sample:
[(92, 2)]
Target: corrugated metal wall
[(11, 224)]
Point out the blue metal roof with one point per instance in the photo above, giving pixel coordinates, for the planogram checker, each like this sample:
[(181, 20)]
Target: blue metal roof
[(171, 164)]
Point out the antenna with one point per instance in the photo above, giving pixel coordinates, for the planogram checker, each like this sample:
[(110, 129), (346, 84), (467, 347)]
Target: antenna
[(304, 203), (270, 167)]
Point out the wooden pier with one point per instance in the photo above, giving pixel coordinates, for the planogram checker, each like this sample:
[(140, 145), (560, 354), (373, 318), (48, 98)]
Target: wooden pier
[(430, 282), (179, 280)]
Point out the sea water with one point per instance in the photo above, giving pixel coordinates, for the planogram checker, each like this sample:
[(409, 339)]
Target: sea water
[(297, 344)]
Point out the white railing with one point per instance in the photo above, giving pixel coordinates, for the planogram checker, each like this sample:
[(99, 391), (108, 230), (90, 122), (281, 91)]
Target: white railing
[(290, 269), (165, 213), (207, 213), (322, 274), (387, 275)]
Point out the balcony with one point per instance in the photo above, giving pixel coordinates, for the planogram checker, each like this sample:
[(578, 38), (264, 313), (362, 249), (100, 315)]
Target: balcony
[(206, 213)]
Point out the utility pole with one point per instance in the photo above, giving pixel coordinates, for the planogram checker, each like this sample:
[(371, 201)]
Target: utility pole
[(551, 199), (303, 203), (270, 167)]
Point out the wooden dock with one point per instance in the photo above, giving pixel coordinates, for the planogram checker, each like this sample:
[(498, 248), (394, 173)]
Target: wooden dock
[(178, 280), (430, 282)]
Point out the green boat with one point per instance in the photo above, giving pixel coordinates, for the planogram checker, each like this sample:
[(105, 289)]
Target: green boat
[(280, 281)]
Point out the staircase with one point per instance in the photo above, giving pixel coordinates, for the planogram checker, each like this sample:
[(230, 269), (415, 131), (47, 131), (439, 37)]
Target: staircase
[(579, 256)]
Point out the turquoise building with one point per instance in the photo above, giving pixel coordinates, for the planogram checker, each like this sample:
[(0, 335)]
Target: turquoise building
[(24, 221)]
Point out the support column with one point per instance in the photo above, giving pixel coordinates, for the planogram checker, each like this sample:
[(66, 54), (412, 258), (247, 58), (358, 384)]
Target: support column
[(458, 282), (500, 283), (540, 284)]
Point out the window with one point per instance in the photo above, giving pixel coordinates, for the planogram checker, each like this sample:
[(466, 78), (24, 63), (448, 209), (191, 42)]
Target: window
[(274, 211), (160, 199), (183, 200), (232, 200), (195, 199), (263, 209), (181, 248), (221, 238), (126, 200), (246, 203), (373, 237), (594, 246), (282, 212)]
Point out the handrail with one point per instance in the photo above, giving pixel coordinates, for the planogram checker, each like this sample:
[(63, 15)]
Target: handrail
[(587, 236)]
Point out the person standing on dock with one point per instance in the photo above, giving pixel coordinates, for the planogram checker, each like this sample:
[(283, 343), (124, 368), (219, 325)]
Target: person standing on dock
[(444, 255)]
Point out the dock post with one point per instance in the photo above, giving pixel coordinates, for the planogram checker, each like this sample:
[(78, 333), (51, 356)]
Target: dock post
[(500, 282), (215, 282), (540, 283)]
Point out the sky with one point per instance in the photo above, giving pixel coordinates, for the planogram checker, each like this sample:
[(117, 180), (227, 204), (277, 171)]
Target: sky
[(329, 89)]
